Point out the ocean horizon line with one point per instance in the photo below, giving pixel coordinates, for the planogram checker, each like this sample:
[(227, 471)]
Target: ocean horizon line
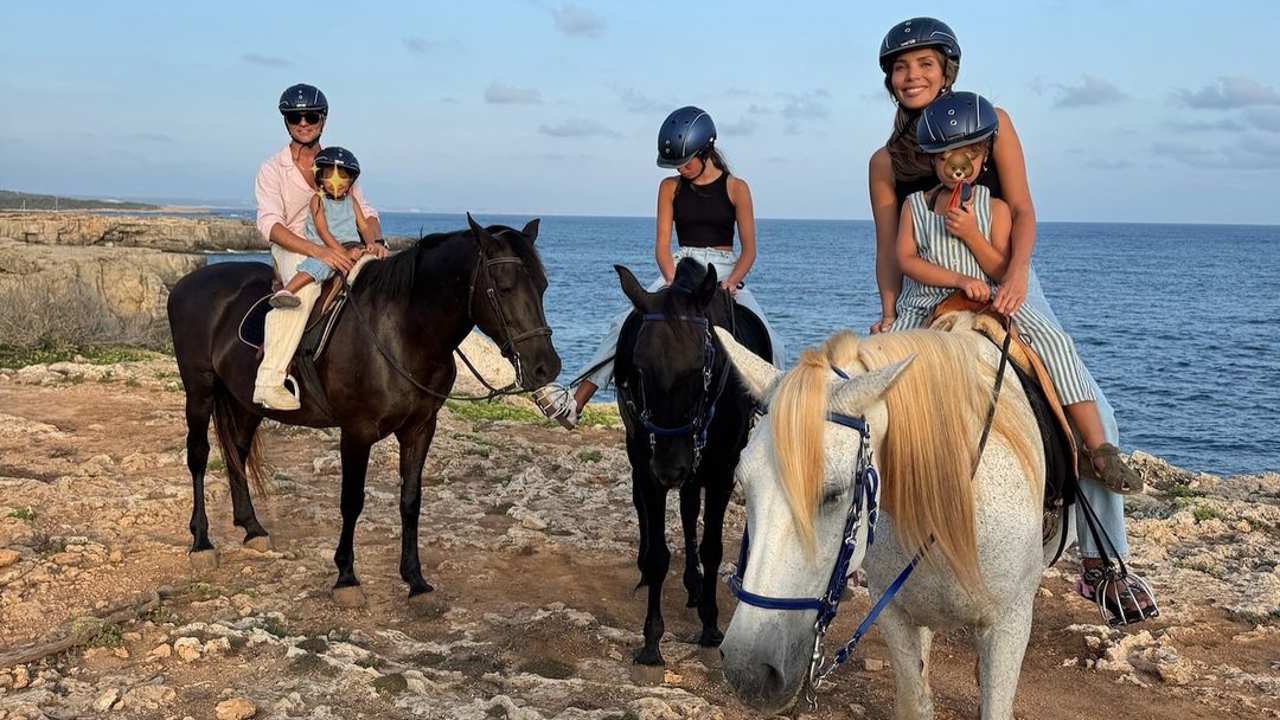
[(517, 213)]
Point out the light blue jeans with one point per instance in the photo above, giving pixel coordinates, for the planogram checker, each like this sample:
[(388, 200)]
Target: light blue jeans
[(1108, 505), (316, 269), (723, 261)]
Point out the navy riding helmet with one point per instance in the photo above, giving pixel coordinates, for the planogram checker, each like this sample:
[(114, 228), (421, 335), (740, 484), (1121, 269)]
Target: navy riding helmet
[(684, 135), (954, 120), (303, 97), (334, 156), (918, 33)]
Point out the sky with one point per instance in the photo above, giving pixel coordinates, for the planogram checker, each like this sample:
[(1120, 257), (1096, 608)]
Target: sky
[(1127, 111)]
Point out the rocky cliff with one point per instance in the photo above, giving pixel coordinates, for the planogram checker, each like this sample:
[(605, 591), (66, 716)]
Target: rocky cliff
[(171, 234)]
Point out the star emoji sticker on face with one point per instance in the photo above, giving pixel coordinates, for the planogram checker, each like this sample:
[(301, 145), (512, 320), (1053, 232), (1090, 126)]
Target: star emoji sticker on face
[(335, 183)]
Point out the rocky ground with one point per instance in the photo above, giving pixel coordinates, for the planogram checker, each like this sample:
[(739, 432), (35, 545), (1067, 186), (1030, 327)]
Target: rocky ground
[(528, 534)]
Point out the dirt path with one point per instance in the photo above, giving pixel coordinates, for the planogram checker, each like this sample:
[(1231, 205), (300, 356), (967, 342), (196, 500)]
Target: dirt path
[(528, 535)]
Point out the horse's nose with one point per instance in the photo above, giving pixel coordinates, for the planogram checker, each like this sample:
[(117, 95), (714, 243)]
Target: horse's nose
[(540, 372), (760, 684), (668, 477)]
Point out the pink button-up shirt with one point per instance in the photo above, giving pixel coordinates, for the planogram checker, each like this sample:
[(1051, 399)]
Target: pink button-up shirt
[(284, 195)]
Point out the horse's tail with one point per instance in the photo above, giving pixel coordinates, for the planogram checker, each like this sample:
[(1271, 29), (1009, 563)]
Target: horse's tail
[(226, 426)]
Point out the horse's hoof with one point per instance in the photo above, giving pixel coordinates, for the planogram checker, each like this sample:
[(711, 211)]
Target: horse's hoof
[(203, 561), (427, 604), (648, 656), (350, 596), (711, 637), (259, 543)]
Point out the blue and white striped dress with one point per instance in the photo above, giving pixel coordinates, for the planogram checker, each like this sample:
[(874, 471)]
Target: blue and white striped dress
[(917, 301)]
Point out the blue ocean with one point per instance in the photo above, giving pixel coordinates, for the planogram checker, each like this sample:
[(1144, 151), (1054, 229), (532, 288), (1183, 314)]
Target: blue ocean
[(1180, 324)]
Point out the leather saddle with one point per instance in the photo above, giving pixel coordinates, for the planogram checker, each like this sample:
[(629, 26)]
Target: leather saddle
[(324, 315)]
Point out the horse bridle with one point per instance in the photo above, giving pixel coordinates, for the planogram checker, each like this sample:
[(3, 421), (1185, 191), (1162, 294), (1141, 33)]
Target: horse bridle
[(484, 264), (865, 501), (866, 494), (700, 422), (508, 346)]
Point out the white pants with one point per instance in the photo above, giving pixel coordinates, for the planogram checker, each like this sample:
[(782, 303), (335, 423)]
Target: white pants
[(723, 261), (284, 326)]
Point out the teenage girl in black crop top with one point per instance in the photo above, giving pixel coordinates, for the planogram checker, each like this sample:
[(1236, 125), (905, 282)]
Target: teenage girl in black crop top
[(705, 204)]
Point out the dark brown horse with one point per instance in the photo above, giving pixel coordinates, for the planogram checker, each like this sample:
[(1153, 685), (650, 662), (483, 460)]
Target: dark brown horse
[(387, 369)]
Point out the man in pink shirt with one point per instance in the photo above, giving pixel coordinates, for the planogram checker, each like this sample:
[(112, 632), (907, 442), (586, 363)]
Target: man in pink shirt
[(284, 188)]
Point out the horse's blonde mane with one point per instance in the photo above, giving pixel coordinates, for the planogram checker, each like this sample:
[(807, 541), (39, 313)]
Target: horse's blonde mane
[(936, 411)]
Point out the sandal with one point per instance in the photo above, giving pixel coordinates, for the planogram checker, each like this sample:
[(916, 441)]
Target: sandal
[(1122, 598), (1115, 473)]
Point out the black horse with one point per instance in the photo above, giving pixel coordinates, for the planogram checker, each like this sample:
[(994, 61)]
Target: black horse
[(387, 369), (687, 420)]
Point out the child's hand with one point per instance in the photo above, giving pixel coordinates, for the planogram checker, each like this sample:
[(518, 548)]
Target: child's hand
[(378, 250), (883, 324), (962, 223), (354, 253), (336, 259), (975, 290)]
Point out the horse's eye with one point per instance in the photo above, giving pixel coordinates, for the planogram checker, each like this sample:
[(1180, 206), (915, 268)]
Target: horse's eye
[(833, 493)]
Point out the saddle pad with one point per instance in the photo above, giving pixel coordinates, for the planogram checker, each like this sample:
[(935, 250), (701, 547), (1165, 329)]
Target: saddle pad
[(323, 317)]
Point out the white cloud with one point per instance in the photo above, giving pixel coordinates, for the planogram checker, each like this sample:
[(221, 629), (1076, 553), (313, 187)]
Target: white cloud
[(500, 94)]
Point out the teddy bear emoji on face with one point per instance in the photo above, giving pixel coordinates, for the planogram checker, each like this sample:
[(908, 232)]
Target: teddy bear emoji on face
[(957, 164)]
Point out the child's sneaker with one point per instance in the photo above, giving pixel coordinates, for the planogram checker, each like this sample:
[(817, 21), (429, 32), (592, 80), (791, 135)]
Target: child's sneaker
[(557, 403), (284, 300)]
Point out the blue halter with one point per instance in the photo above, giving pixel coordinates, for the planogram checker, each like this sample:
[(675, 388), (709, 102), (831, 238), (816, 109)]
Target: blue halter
[(866, 494)]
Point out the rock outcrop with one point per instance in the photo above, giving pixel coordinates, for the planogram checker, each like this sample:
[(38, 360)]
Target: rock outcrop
[(171, 234)]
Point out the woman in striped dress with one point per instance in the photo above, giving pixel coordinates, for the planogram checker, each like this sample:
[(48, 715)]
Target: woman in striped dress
[(957, 131)]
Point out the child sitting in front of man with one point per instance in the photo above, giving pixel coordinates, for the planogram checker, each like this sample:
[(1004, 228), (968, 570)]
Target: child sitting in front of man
[(336, 220)]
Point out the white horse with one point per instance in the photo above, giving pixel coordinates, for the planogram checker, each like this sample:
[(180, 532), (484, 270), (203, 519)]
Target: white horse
[(924, 396)]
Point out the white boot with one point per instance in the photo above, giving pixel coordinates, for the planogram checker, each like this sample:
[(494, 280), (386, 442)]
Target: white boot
[(283, 330)]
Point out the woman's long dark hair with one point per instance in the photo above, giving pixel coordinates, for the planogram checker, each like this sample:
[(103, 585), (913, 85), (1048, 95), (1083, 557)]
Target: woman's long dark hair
[(717, 157), (909, 162)]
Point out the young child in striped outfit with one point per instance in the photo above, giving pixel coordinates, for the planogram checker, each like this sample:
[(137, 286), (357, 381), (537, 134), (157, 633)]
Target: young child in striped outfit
[(973, 255)]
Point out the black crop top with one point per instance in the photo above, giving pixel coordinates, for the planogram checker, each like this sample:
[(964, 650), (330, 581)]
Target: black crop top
[(704, 215)]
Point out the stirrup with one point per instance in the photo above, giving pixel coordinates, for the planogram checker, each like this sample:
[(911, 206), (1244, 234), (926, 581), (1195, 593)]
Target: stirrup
[(1109, 588), (557, 403)]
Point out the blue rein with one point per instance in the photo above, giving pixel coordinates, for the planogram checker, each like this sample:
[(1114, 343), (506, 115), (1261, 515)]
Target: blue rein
[(866, 494)]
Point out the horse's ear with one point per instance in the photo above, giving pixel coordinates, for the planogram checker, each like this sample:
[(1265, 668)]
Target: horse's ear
[(530, 231), (707, 289), (758, 375), (640, 298), (857, 394), (483, 238)]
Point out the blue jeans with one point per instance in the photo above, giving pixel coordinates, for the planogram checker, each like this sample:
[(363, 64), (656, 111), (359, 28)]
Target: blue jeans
[(1108, 505), (723, 261), (316, 269)]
